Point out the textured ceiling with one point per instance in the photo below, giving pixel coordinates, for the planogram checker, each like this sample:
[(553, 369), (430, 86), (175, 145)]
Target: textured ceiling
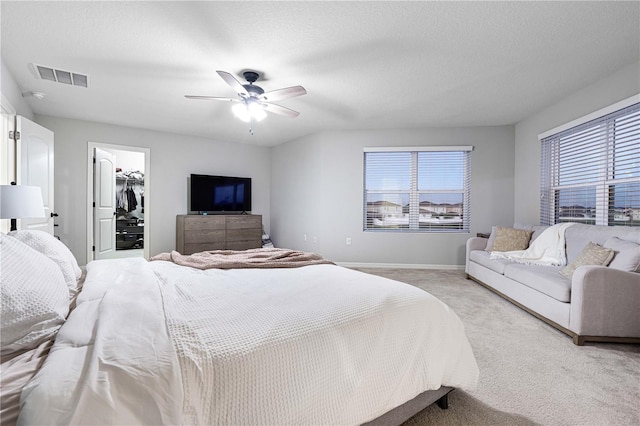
[(365, 65)]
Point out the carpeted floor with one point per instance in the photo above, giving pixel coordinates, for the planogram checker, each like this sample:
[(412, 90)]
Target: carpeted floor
[(530, 373)]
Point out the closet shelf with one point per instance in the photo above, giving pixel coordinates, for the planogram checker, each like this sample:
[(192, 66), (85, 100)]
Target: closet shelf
[(126, 179)]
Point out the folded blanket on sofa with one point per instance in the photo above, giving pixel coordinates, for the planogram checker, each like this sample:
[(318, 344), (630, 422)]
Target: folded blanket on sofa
[(547, 249)]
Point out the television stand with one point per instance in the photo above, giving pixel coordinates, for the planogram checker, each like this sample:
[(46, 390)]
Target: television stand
[(195, 233)]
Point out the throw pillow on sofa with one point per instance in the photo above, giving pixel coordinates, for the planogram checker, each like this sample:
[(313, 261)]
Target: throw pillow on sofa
[(626, 254), (592, 254), (508, 239)]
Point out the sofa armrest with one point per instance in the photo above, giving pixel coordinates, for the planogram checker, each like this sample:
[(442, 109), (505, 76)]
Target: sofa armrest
[(605, 302), (474, 243)]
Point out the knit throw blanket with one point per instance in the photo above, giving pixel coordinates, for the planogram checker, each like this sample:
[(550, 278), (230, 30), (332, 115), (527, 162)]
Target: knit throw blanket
[(547, 249), (237, 259)]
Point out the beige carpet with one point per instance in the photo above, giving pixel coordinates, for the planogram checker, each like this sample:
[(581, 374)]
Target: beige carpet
[(530, 373)]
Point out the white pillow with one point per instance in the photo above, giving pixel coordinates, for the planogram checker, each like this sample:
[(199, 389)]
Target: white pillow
[(627, 254), (55, 250), (35, 298)]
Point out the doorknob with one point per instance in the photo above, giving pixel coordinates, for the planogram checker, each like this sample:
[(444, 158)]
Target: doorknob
[(54, 214)]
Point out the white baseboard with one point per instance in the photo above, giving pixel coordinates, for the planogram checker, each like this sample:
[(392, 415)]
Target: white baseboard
[(400, 266)]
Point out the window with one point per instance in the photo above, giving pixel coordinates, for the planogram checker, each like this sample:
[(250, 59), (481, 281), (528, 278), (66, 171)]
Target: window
[(417, 189), (591, 172)]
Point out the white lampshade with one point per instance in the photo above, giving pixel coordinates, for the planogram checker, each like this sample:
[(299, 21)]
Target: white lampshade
[(20, 201)]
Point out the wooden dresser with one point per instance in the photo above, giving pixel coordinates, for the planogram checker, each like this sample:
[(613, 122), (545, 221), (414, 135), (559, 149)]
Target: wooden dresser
[(196, 233)]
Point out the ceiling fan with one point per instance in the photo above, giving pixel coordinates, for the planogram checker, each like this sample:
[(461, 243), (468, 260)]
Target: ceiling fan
[(252, 100)]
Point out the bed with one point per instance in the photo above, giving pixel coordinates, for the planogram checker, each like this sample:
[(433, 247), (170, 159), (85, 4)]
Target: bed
[(157, 342)]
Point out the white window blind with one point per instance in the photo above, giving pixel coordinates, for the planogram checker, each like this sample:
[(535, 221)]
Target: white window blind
[(423, 189), (591, 173)]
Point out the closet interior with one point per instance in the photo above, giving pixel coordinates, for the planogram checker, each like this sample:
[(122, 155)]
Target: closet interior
[(129, 209)]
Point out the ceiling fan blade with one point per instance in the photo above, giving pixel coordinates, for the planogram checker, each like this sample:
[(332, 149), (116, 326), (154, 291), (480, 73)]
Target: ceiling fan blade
[(288, 92), (209, 98), (277, 109), (235, 84)]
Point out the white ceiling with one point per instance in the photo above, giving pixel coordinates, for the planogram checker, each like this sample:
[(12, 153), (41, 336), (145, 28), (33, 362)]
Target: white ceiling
[(365, 65)]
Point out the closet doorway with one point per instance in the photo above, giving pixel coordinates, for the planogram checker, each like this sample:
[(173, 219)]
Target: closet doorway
[(117, 187)]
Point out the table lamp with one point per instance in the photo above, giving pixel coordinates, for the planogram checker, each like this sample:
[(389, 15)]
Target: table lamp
[(20, 201)]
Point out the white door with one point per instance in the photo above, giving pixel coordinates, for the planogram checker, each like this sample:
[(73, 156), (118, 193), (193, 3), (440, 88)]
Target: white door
[(7, 153), (104, 198), (35, 168)]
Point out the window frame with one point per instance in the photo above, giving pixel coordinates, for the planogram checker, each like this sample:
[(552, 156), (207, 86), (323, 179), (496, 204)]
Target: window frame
[(411, 210), (592, 150)]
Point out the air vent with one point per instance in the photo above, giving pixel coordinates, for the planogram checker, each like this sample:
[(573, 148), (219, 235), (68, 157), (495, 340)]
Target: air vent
[(60, 76), (63, 77), (79, 80), (46, 73)]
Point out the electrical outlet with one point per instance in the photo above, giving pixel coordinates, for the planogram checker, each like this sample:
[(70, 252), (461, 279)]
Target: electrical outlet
[(315, 239), (348, 241), (304, 237)]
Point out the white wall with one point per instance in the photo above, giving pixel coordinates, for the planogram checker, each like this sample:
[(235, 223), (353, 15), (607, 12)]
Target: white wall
[(605, 92), (173, 159), (317, 190), (12, 93), (128, 160)]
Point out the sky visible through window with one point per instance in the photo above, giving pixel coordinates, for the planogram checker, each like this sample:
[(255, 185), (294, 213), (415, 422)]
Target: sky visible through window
[(583, 160), (437, 171)]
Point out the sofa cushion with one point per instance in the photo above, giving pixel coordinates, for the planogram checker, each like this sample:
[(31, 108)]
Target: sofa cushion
[(592, 254), (481, 257), (537, 229), (579, 235), (545, 279), (626, 254), (508, 239), (492, 238)]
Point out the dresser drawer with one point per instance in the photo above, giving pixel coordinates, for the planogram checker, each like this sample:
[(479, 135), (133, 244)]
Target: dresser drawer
[(193, 223), (244, 222), (203, 236)]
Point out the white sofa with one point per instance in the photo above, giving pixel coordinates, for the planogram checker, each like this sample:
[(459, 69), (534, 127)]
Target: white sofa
[(598, 303)]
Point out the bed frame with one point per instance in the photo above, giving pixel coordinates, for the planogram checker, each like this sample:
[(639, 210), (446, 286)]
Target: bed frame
[(410, 408)]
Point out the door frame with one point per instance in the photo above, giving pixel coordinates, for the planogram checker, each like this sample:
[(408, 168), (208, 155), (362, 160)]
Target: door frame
[(147, 192), (7, 149)]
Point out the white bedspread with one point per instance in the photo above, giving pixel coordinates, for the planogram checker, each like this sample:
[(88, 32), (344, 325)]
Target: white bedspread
[(153, 343)]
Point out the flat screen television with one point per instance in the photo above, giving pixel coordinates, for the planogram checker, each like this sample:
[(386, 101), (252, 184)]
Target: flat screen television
[(220, 194)]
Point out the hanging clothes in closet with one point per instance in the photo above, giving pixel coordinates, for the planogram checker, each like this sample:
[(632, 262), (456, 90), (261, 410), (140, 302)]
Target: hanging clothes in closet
[(126, 197), (130, 192), (132, 203), (130, 214)]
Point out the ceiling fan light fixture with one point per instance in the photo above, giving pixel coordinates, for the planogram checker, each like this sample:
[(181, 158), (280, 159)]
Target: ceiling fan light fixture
[(247, 111), (253, 103), (240, 111), (256, 111)]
